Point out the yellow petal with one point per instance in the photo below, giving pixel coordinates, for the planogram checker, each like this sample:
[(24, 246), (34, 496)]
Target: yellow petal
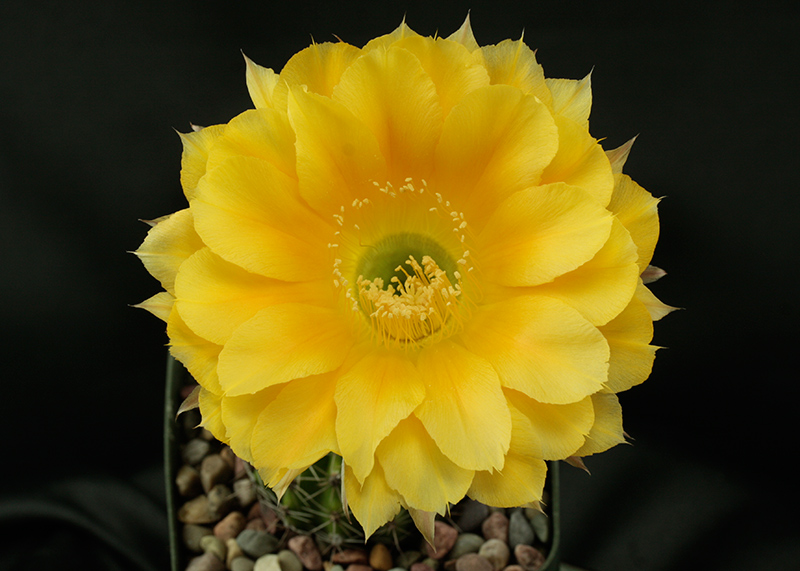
[(281, 343), (297, 428), (572, 98), (167, 245), (338, 157), (198, 355), (520, 482), (638, 211), (453, 69), (541, 347), (632, 356), (215, 297), (464, 36), (494, 142), (603, 286), (210, 410), (319, 68), (389, 91), (404, 451), (383, 42), (607, 430), (464, 409), (655, 306), (196, 146), (619, 156), (373, 503), (240, 414), (548, 431), (580, 161), (249, 213), (261, 133), (380, 390), (513, 63), (159, 305), (540, 233), (261, 82)]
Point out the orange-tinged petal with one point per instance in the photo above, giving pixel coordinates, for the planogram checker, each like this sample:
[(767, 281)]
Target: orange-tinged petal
[(198, 355), (607, 430), (540, 233), (572, 98), (604, 285), (580, 161), (540, 346), (261, 133), (637, 209), (239, 415), (404, 451), (655, 306), (464, 409), (494, 142), (373, 503), (248, 212), (389, 91), (453, 69), (632, 356), (281, 343), (380, 390), (338, 157), (159, 305), (513, 63), (210, 410), (297, 428), (167, 245), (215, 297), (521, 481), (261, 82), (196, 146), (319, 68), (548, 431)]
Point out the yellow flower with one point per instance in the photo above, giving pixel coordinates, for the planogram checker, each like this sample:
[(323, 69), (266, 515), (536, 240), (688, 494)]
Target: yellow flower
[(416, 256)]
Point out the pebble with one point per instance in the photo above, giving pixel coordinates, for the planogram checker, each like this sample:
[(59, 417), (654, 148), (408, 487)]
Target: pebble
[(529, 558), (214, 470), (306, 551), (466, 543), (380, 558), (196, 511), (420, 567), (519, 529), (358, 567), (495, 527), (194, 451), (472, 515), (496, 552), (230, 526), (187, 480), (245, 491), (444, 538), (514, 568), (220, 500), (540, 524), (473, 562), (267, 562), (348, 556), (431, 562), (192, 534), (257, 543), (241, 564), (234, 551), (289, 561), (408, 558), (257, 525), (206, 562), (215, 546)]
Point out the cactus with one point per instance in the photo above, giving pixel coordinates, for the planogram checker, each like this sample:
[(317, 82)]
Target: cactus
[(312, 505)]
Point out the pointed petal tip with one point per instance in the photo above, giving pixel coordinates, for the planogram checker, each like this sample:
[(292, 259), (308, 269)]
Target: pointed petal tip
[(652, 274), (190, 403), (425, 522), (577, 462)]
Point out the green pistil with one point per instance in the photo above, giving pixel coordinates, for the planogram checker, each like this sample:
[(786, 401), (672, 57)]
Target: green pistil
[(381, 259)]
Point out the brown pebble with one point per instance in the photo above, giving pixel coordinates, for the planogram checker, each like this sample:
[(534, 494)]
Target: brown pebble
[(348, 556), (187, 480), (245, 492), (220, 500), (528, 557), (495, 527), (230, 458), (420, 567), (257, 524), (234, 551), (307, 552), (473, 562), (358, 567), (513, 568), (206, 562), (380, 558), (444, 538), (230, 526), (214, 470), (192, 534), (196, 511)]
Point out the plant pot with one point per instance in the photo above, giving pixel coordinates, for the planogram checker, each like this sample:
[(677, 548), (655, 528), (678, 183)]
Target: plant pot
[(175, 437)]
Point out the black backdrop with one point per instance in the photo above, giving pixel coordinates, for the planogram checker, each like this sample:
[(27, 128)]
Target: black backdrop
[(90, 93)]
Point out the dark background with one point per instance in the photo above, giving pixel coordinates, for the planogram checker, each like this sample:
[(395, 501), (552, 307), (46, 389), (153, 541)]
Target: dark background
[(90, 93)]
